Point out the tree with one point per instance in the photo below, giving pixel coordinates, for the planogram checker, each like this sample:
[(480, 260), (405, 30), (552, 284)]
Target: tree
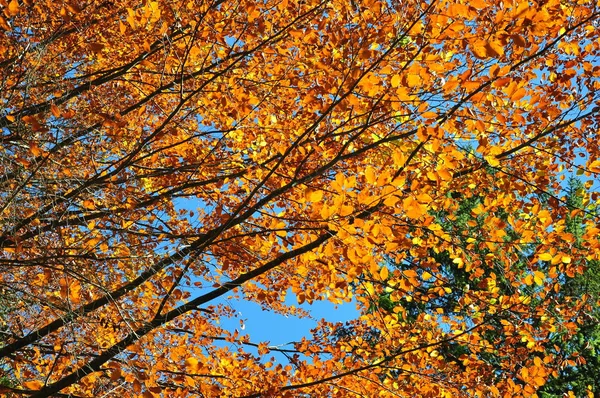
[(584, 346), (577, 349), (159, 155)]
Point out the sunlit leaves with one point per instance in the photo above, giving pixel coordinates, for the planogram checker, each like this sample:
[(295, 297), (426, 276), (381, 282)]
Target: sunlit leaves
[(282, 152)]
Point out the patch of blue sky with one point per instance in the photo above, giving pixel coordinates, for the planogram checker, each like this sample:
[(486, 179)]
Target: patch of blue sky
[(282, 331)]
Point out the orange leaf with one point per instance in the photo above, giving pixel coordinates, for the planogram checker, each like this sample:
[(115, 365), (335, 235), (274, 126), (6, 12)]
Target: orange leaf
[(346, 210), (54, 110), (13, 8), (35, 150), (115, 374), (413, 209), (413, 80), (384, 273), (486, 49), (479, 49), (494, 49), (33, 385)]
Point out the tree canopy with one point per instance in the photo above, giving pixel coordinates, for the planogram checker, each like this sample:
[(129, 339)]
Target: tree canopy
[(157, 156), (577, 348)]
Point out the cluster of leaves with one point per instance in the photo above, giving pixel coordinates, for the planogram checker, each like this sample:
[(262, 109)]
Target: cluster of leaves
[(576, 348), (157, 157)]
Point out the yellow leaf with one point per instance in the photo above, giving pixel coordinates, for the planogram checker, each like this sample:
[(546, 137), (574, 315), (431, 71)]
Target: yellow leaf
[(492, 160), (594, 166), (530, 344), (478, 210), (340, 179), (325, 212), (435, 227), (565, 259), (370, 175), (131, 18), (426, 276), (192, 364), (302, 271), (538, 278), (545, 257), (314, 196), (391, 200), (396, 81)]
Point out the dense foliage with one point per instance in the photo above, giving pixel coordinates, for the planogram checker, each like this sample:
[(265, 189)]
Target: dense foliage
[(577, 348), (158, 156)]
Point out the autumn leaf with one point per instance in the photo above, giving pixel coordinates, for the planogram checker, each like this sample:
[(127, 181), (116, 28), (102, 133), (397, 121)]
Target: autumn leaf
[(314, 196), (33, 385), (13, 8), (384, 273), (192, 364), (594, 166)]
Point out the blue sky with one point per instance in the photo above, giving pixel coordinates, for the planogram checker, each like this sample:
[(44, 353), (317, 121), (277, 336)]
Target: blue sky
[(278, 329)]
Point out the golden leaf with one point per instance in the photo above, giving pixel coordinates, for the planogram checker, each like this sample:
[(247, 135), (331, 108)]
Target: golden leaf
[(33, 385), (384, 273), (370, 175), (13, 8), (192, 364)]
